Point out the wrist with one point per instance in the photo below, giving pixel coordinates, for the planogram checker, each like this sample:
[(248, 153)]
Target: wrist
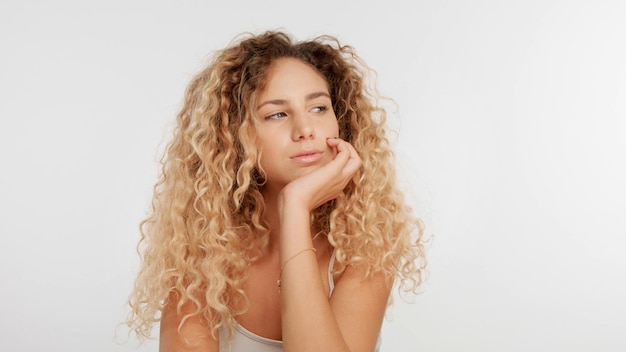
[(289, 202)]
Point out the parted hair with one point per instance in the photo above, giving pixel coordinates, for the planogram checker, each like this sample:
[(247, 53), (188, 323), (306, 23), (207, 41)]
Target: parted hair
[(206, 220)]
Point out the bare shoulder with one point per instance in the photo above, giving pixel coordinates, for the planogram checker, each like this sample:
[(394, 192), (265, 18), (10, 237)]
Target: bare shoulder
[(193, 335)]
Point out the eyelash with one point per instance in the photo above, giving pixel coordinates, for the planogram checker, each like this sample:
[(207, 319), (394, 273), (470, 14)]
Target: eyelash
[(322, 109), (274, 116)]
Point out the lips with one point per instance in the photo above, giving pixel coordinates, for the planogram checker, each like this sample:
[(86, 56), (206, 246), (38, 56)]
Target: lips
[(309, 156)]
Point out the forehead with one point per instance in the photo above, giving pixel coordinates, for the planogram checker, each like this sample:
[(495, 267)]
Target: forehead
[(287, 74)]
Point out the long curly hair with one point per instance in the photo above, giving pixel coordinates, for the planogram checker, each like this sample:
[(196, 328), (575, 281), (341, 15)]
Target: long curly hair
[(206, 221)]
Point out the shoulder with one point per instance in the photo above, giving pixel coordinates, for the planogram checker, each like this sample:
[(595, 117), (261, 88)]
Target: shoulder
[(184, 330)]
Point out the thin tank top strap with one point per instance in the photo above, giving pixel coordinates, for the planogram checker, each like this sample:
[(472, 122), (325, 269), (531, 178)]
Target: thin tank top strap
[(331, 280)]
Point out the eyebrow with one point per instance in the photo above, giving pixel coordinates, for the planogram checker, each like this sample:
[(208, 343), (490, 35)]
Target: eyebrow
[(310, 96)]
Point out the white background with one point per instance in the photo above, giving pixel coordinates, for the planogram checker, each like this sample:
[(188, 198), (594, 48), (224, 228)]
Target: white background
[(512, 140)]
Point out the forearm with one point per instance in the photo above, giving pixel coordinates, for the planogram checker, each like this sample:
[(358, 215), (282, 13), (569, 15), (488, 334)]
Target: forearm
[(308, 322)]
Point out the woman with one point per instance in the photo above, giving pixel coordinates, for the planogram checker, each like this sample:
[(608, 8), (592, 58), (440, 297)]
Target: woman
[(276, 223)]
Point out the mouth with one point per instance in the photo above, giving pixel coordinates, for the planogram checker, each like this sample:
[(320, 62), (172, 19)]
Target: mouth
[(309, 156)]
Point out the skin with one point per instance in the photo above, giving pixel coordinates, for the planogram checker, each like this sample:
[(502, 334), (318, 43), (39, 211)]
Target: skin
[(295, 118), (306, 166)]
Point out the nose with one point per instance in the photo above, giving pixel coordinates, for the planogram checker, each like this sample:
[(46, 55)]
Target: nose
[(302, 128)]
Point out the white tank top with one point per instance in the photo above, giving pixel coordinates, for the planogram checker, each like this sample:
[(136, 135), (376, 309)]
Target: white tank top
[(244, 340)]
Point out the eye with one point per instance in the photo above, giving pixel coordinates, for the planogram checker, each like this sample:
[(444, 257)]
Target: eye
[(320, 109), (275, 116)]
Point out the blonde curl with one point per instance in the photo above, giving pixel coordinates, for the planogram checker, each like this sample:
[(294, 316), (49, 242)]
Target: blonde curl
[(206, 225)]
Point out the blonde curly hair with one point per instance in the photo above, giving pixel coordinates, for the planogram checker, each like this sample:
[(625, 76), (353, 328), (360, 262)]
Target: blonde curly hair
[(206, 218)]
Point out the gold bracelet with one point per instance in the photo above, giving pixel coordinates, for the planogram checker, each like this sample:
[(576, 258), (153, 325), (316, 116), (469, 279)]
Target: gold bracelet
[(287, 261)]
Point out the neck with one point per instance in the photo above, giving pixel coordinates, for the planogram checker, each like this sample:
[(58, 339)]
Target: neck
[(270, 197)]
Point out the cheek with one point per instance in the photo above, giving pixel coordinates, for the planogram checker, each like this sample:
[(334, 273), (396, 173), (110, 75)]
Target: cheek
[(268, 154), (335, 129)]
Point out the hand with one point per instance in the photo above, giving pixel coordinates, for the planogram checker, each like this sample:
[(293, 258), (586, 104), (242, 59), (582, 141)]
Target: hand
[(327, 182)]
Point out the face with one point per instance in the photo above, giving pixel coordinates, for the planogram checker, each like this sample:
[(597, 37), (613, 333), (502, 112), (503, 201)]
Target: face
[(295, 117)]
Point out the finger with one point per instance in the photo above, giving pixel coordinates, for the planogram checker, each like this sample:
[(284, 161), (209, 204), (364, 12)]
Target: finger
[(353, 153), (346, 161), (342, 151), (345, 147), (340, 143), (332, 143), (354, 160)]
